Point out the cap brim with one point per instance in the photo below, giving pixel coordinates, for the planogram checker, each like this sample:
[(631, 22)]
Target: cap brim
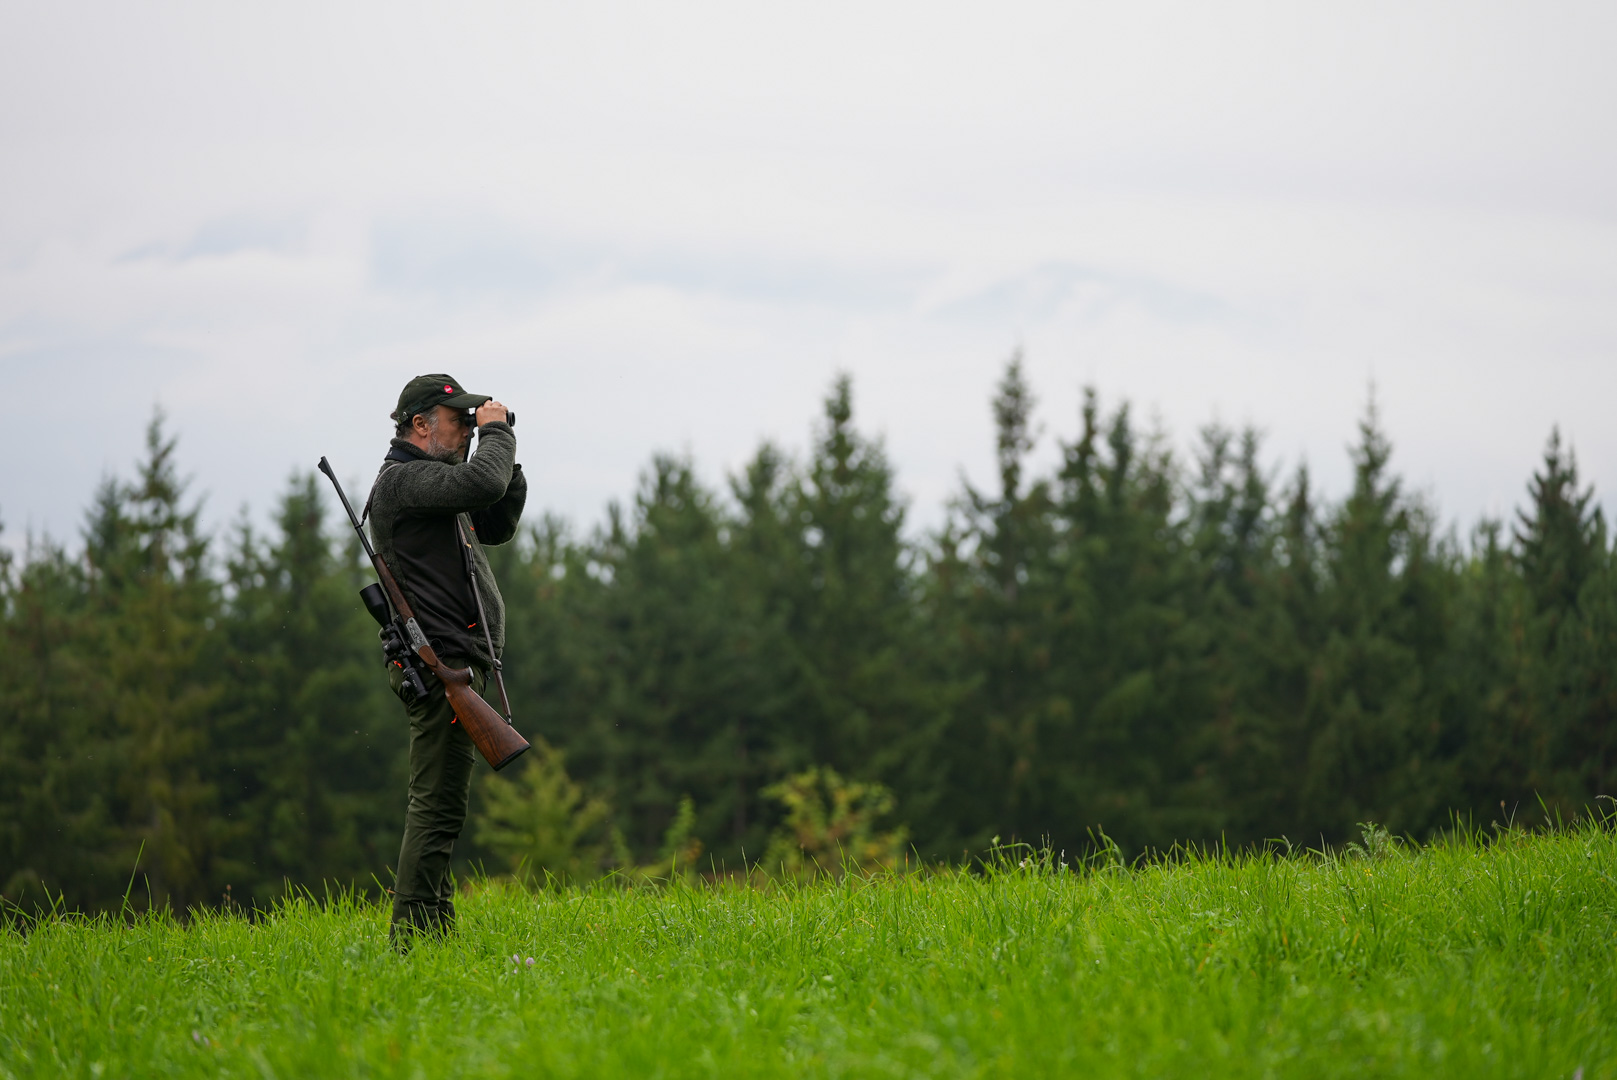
[(466, 401)]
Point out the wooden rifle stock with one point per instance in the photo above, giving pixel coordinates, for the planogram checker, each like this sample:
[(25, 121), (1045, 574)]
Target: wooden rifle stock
[(499, 742), (495, 738)]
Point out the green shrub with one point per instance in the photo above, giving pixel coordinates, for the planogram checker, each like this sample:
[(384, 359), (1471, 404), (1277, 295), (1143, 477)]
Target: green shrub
[(542, 824), (830, 826)]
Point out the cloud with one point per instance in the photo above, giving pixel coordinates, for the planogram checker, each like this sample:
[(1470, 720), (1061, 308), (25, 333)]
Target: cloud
[(471, 257), (226, 236), (1044, 292), (450, 258)]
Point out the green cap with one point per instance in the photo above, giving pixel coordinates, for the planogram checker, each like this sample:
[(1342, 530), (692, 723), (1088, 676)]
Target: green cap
[(421, 393)]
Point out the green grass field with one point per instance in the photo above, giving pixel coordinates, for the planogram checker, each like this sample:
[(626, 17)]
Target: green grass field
[(1460, 959)]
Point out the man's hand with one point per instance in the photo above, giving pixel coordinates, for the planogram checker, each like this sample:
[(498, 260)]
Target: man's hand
[(492, 410)]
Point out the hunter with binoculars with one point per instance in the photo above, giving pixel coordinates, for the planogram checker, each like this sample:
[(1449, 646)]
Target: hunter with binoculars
[(431, 511)]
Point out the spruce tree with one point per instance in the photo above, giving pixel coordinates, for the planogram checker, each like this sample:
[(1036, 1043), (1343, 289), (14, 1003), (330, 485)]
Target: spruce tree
[(1561, 701), (59, 759), (675, 673), (1560, 539), (1127, 642), (1251, 665), (1483, 666), (153, 604), (865, 708), (994, 556), (777, 731), (1377, 715)]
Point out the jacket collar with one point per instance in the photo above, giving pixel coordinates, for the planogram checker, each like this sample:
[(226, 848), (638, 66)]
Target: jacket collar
[(403, 450)]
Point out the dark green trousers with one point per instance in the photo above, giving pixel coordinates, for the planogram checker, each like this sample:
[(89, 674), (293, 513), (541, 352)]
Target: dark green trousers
[(441, 756)]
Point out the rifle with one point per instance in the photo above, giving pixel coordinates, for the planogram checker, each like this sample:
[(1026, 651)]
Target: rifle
[(499, 742)]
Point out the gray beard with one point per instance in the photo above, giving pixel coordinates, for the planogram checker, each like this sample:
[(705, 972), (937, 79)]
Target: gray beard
[(449, 455)]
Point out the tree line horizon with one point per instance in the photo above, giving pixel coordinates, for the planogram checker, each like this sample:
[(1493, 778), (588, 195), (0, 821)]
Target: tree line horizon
[(1172, 648)]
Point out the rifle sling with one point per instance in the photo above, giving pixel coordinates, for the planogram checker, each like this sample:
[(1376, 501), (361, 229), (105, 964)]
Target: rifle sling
[(482, 617)]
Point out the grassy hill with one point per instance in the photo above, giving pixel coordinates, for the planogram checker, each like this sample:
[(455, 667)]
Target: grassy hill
[(1464, 958)]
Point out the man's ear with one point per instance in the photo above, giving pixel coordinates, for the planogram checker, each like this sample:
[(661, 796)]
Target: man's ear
[(419, 425)]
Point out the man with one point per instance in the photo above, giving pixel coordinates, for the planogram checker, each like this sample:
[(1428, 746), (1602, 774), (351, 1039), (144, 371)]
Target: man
[(431, 511)]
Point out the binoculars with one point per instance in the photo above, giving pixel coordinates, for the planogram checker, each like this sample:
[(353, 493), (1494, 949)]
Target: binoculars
[(470, 417)]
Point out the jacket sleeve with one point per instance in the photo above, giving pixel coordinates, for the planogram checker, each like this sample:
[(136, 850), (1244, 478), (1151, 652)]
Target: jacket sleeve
[(497, 524), (479, 482)]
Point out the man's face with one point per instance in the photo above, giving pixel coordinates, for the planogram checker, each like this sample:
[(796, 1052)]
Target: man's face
[(450, 438)]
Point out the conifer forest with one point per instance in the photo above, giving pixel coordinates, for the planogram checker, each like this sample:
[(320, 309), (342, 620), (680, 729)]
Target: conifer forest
[(1145, 647)]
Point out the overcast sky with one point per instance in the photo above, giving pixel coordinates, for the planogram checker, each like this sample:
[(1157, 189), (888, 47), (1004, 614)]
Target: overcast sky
[(666, 227)]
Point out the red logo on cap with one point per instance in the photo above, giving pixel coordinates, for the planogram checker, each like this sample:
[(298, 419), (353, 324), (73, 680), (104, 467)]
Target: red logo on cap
[(449, 389)]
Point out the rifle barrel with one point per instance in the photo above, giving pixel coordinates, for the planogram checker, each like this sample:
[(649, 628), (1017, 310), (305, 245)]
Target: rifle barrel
[(353, 519)]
